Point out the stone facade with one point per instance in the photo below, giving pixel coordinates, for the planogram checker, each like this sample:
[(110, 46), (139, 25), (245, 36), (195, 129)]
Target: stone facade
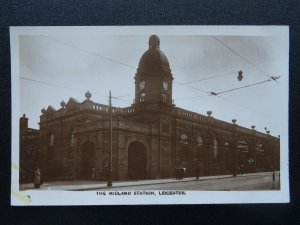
[(150, 138)]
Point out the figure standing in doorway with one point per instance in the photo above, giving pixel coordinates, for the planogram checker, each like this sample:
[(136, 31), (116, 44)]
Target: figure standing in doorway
[(37, 178)]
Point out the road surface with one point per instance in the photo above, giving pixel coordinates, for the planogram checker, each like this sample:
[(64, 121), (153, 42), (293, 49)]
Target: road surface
[(261, 181)]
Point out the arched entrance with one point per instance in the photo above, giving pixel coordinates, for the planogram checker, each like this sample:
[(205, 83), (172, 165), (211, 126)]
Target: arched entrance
[(87, 159), (186, 160), (137, 161), (228, 157), (243, 155)]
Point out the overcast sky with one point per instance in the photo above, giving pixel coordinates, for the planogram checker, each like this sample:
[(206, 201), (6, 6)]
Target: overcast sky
[(55, 67)]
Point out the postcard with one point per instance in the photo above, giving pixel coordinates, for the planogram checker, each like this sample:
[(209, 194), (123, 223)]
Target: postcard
[(126, 115)]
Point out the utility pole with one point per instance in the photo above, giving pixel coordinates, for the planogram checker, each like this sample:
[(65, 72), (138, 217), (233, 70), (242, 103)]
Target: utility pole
[(234, 146), (109, 181)]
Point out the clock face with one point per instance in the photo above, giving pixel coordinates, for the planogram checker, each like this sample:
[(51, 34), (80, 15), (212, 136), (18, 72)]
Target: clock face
[(142, 85), (165, 85)]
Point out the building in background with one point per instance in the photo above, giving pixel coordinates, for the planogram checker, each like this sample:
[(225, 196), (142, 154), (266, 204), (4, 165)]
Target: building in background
[(150, 138), (29, 150)]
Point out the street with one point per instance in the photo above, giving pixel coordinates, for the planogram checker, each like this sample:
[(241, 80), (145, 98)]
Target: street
[(253, 181), (260, 181)]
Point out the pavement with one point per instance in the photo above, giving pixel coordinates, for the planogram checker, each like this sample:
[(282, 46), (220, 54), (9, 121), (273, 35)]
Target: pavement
[(85, 185)]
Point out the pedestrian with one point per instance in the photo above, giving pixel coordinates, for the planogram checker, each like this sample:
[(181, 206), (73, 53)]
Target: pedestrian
[(93, 173), (197, 172), (37, 178), (182, 173)]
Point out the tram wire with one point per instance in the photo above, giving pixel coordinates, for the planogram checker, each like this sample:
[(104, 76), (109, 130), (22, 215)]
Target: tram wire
[(178, 83), (242, 57)]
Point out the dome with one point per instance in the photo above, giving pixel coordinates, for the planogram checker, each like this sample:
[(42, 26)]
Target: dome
[(154, 59)]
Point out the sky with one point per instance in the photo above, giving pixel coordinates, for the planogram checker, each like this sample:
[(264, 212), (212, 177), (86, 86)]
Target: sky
[(56, 66)]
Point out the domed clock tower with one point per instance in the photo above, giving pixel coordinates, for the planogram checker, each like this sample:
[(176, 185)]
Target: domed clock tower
[(153, 80)]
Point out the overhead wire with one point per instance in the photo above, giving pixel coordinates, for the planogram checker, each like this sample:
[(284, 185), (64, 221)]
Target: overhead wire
[(192, 87), (50, 84), (207, 78), (238, 88), (92, 53), (242, 57), (178, 83)]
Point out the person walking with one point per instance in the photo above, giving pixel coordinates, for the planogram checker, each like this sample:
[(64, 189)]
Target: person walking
[(37, 178), (197, 172)]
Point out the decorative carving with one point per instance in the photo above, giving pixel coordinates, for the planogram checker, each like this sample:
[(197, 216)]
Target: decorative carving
[(88, 95), (63, 104)]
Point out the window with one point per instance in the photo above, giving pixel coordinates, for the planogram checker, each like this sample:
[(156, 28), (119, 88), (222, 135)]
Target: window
[(142, 97), (199, 141), (51, 140), (72, 139), (184, 139), (215, 149)]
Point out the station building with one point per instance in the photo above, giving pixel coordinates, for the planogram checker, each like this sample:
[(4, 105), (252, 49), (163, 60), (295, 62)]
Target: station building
[(150, 138)]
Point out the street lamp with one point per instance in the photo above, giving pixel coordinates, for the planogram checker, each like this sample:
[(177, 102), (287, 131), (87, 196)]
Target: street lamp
[(273, 152), (109, 180), (234, 148), (252, 159), (240, 75)]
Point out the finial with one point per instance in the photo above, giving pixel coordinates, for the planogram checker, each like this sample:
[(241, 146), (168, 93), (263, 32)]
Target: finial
[(154, 41), (88, 95), (253, 127), (43, 110), (209, 113), (63, 104), (233, 121)]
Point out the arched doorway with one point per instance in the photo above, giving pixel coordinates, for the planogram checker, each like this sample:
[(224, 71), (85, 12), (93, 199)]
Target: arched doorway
[(186, 160), (87, 159), (137, 161), (228, 158), (243, 155)]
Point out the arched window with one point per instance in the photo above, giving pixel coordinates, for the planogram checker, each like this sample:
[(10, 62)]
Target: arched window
[(72, 139), (50, 148), (184, 139), (142, 97), (215, 149), (199, 141), (51, 140)]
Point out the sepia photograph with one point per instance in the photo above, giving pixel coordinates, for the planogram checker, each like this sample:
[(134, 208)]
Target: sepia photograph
[(130, 115)]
